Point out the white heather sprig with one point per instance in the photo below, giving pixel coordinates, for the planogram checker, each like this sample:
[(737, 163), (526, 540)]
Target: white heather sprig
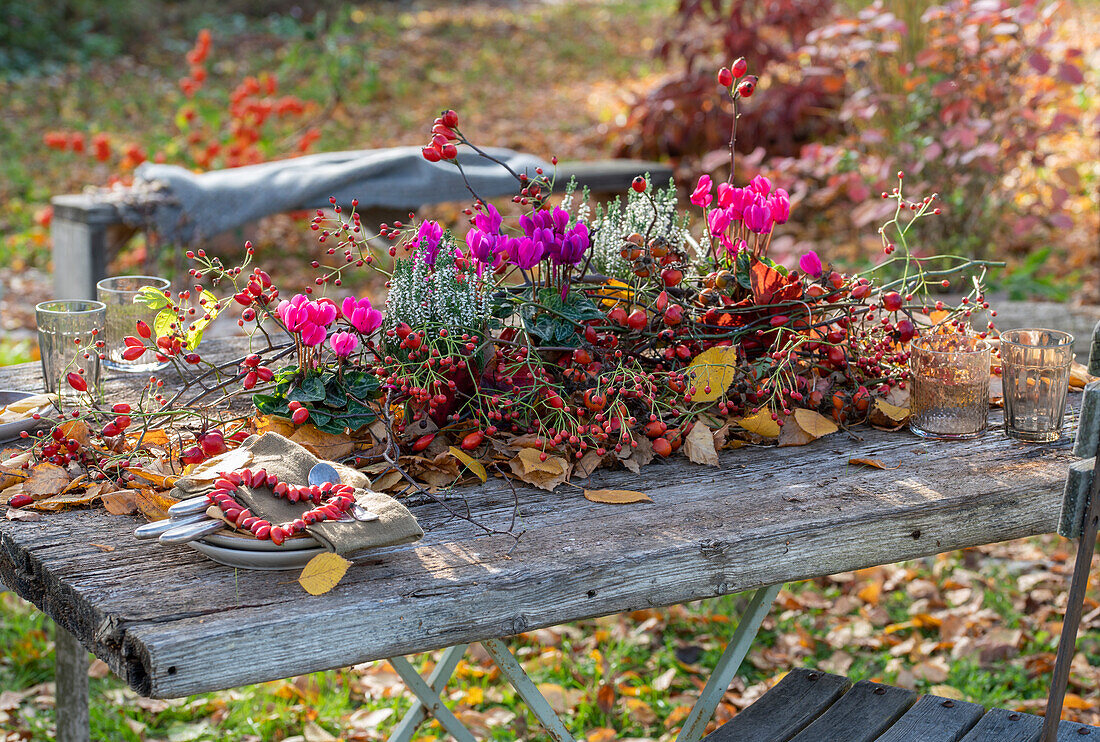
[(441, 296), (618, 221)]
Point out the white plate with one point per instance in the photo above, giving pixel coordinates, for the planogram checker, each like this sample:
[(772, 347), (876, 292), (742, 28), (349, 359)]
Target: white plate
[(247, 543), (263, 560), (13, 429)]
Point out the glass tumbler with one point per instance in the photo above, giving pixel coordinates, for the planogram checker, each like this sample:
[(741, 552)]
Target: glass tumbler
[(67, 334), (1035, 367), (118, 294), (950, 388)]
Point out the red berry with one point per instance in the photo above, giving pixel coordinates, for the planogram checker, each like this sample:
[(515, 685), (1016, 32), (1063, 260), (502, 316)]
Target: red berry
[(133, 353), (747, 87), (121, 409), (906, 330), (638, 184), (637, 320), (76, 381), (20, 501), (213, 443), (300, 416), (143, 329), (662, 447), (739, 67), (725, 77), (193, 455), (891, 301), (473, 440), (449, 151), (450, 119)]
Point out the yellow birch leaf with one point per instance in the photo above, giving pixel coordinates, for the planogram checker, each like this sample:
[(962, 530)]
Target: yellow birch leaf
[(713, 369), (894, 412), (699, 445), (814, 423), (46, 480), (323, 572), (531, 458), (616, 497), (471, 463), (1079, 376), (760, 423)]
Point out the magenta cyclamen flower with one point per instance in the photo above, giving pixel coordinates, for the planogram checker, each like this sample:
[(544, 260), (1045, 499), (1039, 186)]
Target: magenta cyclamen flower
[(760, 185), (574, 245), (343, 344), (717, 221), (488, 221), (428, 237), (780, 205), (810, 264), (524, 252), (757, 218), (702, 195), (482, 246), (361, 315), (307, 319)]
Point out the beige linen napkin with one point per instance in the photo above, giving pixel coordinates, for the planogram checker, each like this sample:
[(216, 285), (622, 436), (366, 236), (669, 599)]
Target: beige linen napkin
[(291, 463)]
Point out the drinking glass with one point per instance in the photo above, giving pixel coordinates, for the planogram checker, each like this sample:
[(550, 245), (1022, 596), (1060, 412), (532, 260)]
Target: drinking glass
[(950, 392), (67, 334), (1035, 367), (118, 294)]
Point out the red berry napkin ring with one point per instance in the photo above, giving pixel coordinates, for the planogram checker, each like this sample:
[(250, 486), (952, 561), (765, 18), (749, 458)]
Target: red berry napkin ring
[(333, 501)]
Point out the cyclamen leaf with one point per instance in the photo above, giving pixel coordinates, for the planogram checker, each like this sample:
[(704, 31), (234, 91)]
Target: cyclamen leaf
[(312, 389), (323, 572)]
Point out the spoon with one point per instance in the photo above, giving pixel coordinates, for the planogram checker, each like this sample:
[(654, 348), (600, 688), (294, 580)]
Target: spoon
[(181, 534), (157, 527), (324, 472)]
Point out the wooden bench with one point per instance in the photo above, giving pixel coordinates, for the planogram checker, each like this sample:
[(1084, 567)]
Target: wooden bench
[(813, 706), (87, 227)]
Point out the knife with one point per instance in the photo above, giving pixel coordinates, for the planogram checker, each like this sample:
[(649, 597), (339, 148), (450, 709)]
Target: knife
[(157, 527)]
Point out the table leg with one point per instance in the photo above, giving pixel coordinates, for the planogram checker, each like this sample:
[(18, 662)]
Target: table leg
[(437, 680), (527, 690), (734, 654), (71, 675), (431, 700)]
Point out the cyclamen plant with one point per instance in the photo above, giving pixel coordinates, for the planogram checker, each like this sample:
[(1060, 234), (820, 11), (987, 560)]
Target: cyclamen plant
[(602, 336)]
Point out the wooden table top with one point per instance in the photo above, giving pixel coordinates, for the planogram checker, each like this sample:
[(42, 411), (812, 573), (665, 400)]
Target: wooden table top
[(172, 623)]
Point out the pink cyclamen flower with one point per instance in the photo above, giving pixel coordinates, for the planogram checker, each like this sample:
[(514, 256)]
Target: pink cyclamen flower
[(361, 315), (758, 218), (312, 334), (524, 252), (717, 221), (702, 195), (780, 205), (810, 264), (428, 236), (343, 344), (760, 185), (488, 221), (725, 194)]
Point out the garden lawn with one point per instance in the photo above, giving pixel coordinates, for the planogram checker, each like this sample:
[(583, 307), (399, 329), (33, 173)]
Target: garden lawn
[(981, 624)]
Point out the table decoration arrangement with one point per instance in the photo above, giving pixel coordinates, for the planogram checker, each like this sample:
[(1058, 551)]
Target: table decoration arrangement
[(539, 346)]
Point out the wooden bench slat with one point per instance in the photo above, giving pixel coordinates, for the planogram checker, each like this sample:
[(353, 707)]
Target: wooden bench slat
[(1001, 725), (930, 720), (1070, 731), (861, 715), (785, 710)]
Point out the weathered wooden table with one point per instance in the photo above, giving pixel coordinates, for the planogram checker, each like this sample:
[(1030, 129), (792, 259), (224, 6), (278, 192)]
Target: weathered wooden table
[(172, 623)]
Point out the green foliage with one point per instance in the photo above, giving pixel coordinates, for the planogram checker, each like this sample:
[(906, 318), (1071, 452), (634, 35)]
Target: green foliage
[(554, 320), (336, 400)]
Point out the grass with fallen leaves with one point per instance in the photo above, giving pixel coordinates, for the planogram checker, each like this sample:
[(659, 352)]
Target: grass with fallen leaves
[(980, 624)]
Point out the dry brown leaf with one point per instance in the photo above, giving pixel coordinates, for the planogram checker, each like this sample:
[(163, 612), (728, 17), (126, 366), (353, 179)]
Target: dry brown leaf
[(529, 467), (11, 466), (471, 463), (155, 479), (873, 463), (46, 479), (887, 416), (321, 444), (814, 423), (641, 455), (602, 734), (123, 502), (1077, 703), (209, 470), (699, 445), (616, 497), (387, 481), (10, 492), (589, 463), (323, 572), (103, 547), (792, 435), (1079, 376), (605, 700), (711, 373), (639, 711), (72, 499), (760, 423), (273, 424), (22, 514), (154, 505), (77, 430)]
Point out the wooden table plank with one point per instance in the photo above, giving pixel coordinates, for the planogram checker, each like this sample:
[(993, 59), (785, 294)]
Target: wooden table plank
[(172, 623)]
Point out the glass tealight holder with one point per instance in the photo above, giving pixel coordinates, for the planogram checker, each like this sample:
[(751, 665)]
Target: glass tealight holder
[(67, 334), (1035, 367), (118, 293), (950, 386)]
